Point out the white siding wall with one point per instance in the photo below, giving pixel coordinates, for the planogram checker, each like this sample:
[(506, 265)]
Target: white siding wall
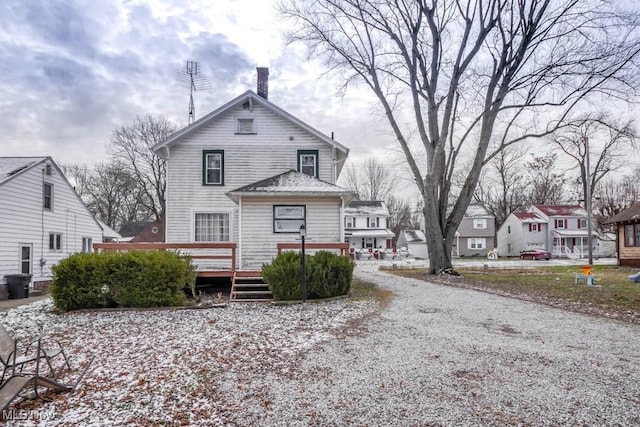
[(247, 159), (513, 240), (258, 241), (23, 221)]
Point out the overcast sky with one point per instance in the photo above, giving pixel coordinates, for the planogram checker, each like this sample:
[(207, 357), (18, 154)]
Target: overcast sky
[(72, 71)]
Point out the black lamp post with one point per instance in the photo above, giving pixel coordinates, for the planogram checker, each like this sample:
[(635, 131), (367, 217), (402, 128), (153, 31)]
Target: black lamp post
[(303, 234)]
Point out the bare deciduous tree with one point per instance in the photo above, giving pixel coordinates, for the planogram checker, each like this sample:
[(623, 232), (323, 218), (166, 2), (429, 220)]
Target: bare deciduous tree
[(132, 144), (113, 195), (370, 180), (545, 184), (502, 185), (462, 71), (609, 142)]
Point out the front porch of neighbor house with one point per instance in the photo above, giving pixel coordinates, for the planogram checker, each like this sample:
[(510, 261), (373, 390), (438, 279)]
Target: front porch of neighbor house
[(218, 262)]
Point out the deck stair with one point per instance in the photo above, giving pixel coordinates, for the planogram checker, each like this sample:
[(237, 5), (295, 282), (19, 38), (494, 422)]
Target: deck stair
[(248, 286)]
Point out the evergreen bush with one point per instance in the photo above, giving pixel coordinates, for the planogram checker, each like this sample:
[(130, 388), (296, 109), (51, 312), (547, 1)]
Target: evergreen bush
[(328, 275), (130, 279)]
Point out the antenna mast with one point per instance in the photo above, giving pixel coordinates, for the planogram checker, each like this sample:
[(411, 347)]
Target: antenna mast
[(191, 77)]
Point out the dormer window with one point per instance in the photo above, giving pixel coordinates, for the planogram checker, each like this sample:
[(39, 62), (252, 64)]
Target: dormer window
[(246, 126), (308, 162)]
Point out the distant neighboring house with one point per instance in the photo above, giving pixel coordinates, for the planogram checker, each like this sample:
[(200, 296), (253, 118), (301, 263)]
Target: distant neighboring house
[(627, 225), (415, 242), (559, 229), (365, 225), (522, 231), (476, 233), (251, 173), (42, 219), (108, 233), (141, 232)]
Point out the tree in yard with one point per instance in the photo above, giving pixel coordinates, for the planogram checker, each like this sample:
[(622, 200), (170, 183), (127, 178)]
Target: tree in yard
[(132, 144), (545, 183), (614, 195), (464, 72), (113, 195), (370, 180), (502, 186), (609, 144)]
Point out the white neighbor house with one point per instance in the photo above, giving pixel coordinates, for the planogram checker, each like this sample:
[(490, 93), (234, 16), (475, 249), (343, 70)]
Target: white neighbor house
[(559, 229), (366, 223), (42, 219), (251, 173)]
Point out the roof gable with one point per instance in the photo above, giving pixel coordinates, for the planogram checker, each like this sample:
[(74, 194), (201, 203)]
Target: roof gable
[(290, 183), (253, 98), (367, 207), (528, 217), (632, 213), (13, 166), (561, 210)]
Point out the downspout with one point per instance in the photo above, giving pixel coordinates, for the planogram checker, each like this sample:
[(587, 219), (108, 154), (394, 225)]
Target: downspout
[(239, 246), (341, 219), (166, 193)]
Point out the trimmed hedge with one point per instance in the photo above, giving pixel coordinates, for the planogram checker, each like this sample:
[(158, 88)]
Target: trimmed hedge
[(130, 279), (328, 275)]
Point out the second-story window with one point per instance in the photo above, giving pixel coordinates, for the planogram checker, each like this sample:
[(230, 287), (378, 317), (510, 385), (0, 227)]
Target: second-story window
[(479, 223), (373, 222), (213, 167), (47, 196), (308, 162), (582, 223), (560, 223), (350, 222)]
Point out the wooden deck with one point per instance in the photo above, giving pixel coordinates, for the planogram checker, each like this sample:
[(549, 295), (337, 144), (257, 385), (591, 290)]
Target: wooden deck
[(342, 247), (225, 252)]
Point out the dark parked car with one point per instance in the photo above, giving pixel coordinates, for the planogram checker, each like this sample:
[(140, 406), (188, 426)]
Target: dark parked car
[(535, 254)]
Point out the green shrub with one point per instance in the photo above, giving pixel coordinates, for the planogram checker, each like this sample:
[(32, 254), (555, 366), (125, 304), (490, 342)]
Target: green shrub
[(283, 276), (131, 279), (328, 275), (80, 281)]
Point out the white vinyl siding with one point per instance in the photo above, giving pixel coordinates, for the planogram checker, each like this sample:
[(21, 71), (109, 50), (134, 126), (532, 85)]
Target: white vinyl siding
[(25, 222), (259, 242), (247, 159)]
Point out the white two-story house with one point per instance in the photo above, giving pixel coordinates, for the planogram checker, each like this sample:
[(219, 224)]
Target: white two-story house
[(251, 173), (366, 223), (559, 229), (42, 219)]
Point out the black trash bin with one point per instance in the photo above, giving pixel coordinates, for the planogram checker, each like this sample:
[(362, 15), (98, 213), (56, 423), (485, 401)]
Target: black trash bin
[(18, 285)]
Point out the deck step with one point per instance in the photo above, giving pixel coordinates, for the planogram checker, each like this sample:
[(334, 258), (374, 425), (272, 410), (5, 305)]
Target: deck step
[(249, 286)]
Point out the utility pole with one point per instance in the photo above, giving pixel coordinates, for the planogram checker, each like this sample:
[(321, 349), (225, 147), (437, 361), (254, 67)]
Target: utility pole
[(588, 199)]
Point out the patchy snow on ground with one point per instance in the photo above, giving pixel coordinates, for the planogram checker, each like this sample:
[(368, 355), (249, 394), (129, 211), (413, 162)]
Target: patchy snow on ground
[(170, 366)]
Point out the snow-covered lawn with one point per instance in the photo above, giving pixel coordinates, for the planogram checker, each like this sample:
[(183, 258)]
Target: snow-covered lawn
[(177, 367)]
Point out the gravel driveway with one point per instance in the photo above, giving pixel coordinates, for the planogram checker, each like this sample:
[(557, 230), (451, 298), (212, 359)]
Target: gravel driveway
[(447, 356)]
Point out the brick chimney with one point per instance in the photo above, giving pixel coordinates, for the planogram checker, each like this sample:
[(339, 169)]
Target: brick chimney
[(263, 82)]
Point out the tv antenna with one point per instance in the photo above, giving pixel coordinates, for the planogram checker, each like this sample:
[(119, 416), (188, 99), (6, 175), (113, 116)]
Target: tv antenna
[(191, 77)]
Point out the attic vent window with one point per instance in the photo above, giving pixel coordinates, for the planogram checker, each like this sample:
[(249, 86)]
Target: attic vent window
[(245, 126), (47, 169), (246, 106)]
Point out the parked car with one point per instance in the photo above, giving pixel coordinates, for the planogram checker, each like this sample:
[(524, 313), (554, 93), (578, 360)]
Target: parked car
[(535, 254)]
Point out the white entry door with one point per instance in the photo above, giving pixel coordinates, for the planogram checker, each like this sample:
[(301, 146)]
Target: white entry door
[(26, 251)]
